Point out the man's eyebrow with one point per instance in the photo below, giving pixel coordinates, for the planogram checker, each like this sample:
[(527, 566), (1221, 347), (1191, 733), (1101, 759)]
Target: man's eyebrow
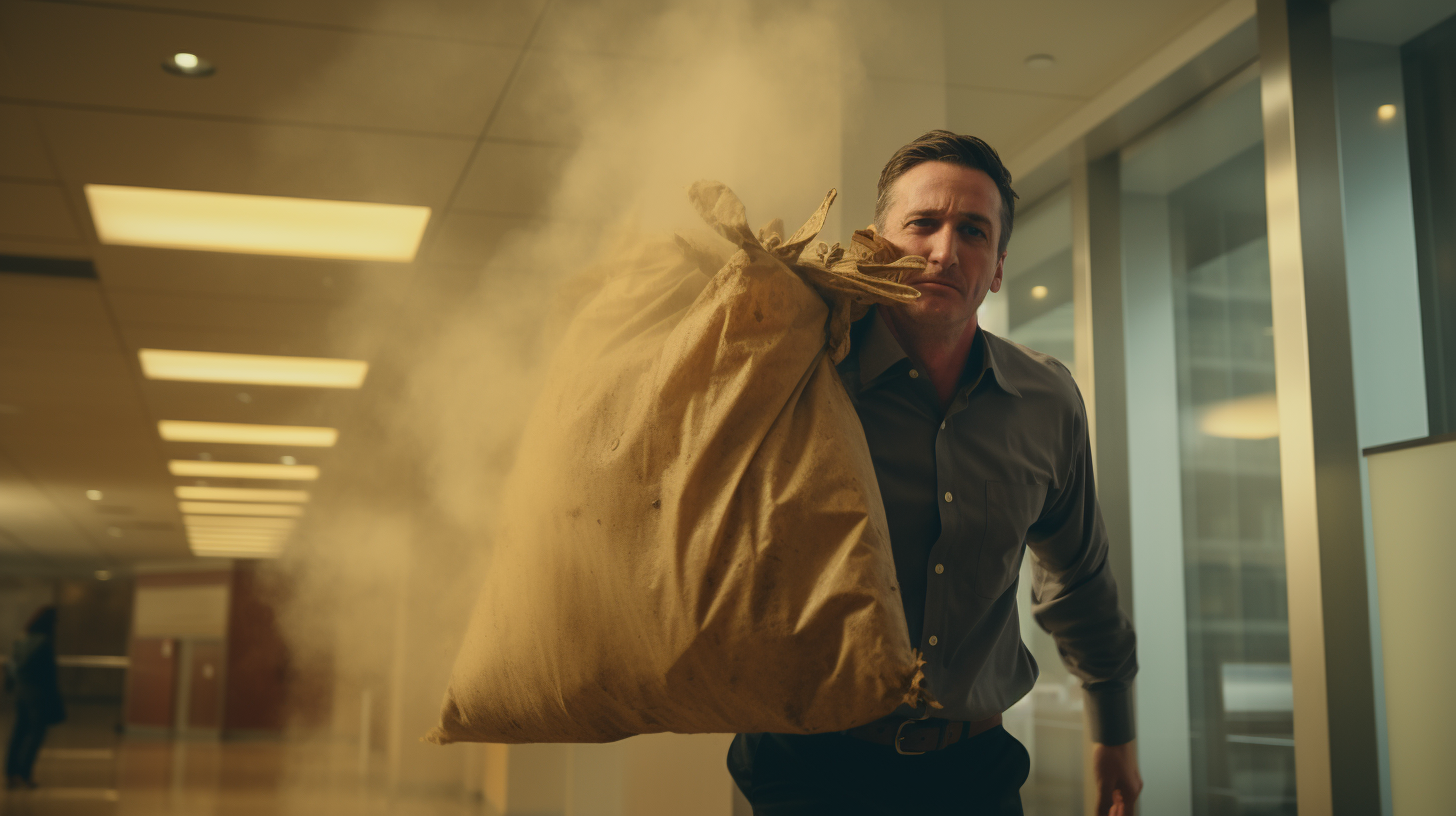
[(969, 216)]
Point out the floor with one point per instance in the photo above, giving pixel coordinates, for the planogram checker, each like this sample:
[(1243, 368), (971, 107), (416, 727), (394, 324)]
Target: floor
[(87, 768)]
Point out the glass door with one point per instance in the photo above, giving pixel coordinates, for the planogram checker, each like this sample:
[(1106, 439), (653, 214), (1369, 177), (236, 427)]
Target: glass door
[(1194, 229)]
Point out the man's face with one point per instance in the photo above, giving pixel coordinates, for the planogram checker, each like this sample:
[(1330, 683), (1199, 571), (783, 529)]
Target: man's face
[(949, 215)]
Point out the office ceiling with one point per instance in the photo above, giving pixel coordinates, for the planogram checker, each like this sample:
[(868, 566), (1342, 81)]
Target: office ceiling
[(441, 103)]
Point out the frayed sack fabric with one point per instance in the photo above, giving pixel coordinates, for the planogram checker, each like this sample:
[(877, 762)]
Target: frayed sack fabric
[(692, 538)]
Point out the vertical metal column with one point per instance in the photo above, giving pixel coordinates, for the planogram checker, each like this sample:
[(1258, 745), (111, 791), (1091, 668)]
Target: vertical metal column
[(1336, 757)]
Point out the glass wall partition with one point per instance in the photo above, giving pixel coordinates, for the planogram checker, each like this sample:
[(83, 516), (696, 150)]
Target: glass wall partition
[(1034, 308), (1194, 230)]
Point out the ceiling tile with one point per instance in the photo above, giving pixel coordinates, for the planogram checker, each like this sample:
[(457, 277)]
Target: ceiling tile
[(620, 27), (470, 238), (31, 524), (260, 159), (22, 153), (300, 341), (323, 282), (496, 22), (201, 312), (511, 178), (36, 211), (987, 42), (546, 100), (1005, 120), (112, 57)]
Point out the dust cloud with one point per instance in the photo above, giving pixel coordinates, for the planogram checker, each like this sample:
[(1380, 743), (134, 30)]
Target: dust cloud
[(641, 99)]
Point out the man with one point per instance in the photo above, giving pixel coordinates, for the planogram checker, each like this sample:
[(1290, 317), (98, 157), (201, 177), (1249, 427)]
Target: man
[(981, 450), (31, 672)]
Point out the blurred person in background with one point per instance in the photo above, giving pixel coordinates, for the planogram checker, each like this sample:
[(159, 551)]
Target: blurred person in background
[(31, 672)]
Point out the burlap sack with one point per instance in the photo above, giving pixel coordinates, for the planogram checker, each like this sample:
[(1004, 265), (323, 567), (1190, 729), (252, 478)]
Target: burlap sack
[(692, 538)]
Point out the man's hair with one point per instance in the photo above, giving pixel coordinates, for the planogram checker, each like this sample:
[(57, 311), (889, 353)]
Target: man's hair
[(966, 151)]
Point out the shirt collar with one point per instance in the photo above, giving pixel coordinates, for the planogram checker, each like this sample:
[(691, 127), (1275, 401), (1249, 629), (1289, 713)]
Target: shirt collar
[(879, 350)]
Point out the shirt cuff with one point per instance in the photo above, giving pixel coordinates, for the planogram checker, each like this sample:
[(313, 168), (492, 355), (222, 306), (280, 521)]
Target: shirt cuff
[(1109, 715)]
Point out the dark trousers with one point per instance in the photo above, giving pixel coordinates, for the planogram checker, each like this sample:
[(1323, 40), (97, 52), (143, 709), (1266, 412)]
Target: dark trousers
[(25, 741), (836, 775)]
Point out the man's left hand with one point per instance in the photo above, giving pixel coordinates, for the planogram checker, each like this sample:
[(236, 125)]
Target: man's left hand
[(1118, 782)]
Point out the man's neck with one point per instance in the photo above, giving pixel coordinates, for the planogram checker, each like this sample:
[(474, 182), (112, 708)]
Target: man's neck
[(939, 351)]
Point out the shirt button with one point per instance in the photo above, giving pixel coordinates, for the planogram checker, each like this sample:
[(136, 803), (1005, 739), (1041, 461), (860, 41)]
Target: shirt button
[(939, 568), (933, 641), (914, 373), (947, 495)]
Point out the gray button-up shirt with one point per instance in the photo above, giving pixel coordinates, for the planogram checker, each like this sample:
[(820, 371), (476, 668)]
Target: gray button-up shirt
[(1007, 465)]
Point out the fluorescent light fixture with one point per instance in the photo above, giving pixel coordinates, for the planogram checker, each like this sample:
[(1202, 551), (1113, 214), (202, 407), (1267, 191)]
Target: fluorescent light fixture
[(259, 225), (252, 369), (1252, 417), (241, 470), (241, 494), (234, 433), (235, 522), (208, 551), (238, 509), (236, 541)]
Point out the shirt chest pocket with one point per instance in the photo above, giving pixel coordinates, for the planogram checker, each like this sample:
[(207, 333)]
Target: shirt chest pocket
[(1011, 509)]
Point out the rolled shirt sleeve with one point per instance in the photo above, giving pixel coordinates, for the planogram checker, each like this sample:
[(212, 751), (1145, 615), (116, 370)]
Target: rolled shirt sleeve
[(1074, 595)]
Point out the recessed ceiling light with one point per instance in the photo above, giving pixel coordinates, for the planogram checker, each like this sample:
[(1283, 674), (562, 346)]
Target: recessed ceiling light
[(93, 495), (1040, 61), (253, 369), (189, 65), (239, 509), (1038, 292), (1385, 112), (240, 494), (176, 430), (238, 522), (259, 225), (103, 575), (242, 470)]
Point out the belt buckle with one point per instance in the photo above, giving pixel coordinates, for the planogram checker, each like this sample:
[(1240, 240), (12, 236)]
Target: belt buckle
[(899, 734)]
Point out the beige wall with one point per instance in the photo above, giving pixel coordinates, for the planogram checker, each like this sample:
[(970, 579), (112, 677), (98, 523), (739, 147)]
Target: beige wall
[(181, 611), (1413, 509)]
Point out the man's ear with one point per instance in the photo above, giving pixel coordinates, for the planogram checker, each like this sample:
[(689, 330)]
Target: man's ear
[(996, 279)]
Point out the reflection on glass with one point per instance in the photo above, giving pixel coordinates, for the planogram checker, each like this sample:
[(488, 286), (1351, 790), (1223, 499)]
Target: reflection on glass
[(1194, 206), (1034, 308)]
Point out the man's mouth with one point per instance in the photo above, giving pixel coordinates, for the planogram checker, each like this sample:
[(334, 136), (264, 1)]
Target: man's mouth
[(940, 284)]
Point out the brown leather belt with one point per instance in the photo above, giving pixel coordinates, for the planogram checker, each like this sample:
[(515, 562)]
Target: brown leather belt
[(911, 736)]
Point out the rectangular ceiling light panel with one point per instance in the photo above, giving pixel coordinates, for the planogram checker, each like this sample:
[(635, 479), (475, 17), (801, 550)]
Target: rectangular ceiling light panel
[(234, 433), (239, 509), (241, 494), (196, 469), (252, 369), (238, 522), (208, 551), (259, 225)]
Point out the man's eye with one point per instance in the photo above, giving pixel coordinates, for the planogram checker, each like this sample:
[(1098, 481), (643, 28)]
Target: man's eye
[(923, 222), (971, 229)]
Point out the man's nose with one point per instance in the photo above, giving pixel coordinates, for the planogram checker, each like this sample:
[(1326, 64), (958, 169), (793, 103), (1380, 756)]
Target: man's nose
[(942, 248)]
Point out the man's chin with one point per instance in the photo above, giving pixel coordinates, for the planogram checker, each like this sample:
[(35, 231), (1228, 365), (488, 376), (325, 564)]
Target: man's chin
[(930, 311)]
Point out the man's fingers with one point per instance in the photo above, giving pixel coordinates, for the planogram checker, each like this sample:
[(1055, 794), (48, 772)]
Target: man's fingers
[(1104, 800)]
